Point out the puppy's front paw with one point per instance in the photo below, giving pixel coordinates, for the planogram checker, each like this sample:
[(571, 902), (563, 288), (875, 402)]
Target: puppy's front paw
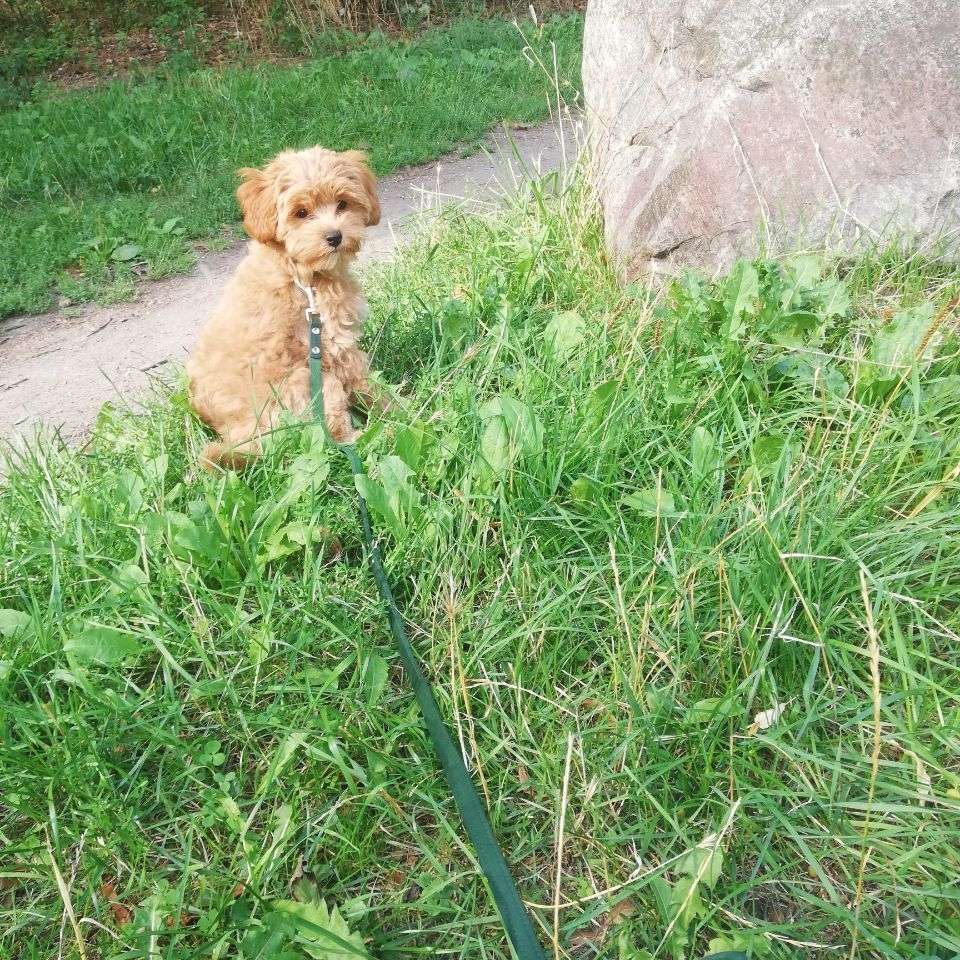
[(343, 433), (381, 402), (376, 396)]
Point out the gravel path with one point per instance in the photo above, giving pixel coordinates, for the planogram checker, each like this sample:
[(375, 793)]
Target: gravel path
[(58, 368)]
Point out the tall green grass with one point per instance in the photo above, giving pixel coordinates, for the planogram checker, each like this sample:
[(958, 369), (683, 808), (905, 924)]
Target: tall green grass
[(683, 566), (100, 187)]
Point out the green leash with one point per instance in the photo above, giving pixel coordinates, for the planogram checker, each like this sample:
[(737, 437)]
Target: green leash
[(515, 919)]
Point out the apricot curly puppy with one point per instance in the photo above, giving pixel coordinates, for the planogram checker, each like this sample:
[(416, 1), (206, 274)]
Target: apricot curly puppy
[(305, 212)]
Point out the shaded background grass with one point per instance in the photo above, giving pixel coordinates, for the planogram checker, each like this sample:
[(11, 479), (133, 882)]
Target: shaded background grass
[(47, 46), (682, 530), (102, 186)]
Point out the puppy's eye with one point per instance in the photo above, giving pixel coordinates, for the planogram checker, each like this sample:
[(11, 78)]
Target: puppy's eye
[(341, 206), (302, 213)]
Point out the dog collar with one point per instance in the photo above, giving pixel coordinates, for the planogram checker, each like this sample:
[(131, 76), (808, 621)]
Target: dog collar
[(308, 292)]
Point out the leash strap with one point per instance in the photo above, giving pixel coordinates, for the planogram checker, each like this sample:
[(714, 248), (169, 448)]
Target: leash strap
[(516, 920)]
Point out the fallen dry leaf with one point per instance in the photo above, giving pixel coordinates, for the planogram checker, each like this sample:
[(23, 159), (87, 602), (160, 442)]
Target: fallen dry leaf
[(297, 874), (924, 788), (620, 911), (121, 915), (588, 935), (184, 920), (597, 933), (766, 718), (239, 889)]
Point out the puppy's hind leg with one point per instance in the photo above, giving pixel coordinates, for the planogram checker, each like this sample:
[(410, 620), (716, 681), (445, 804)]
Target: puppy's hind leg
[(233, 452)]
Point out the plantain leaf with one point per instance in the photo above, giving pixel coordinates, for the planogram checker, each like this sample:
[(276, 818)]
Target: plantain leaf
[(652, 502), (126, 252), (564, 333), (12, 621), (703, 453), (101, 645), (740, 297)]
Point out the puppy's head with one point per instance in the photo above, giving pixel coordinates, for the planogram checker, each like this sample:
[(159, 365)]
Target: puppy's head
[(313, 204)]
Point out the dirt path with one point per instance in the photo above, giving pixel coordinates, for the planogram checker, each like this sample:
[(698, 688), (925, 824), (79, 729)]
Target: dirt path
[(57, 369)]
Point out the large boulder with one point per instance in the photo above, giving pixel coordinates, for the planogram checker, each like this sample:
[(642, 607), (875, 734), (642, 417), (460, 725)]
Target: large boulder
[(727, 127)]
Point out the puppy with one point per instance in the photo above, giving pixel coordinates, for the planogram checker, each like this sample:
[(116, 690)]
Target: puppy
[(306, 212)]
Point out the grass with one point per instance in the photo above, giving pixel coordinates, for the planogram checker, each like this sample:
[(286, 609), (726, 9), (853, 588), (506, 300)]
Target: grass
[(683, 566), (101, 187), (37, 34)]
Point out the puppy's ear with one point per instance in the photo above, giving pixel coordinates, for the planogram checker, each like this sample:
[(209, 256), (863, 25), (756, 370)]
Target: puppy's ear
[(257, 202), (361, 166)]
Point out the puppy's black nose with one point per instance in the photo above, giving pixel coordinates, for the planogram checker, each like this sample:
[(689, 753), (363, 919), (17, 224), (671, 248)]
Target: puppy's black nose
[(334, 238)]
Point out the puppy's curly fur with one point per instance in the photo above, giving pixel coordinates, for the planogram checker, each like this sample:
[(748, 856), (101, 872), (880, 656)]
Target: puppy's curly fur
[(305, 212)]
